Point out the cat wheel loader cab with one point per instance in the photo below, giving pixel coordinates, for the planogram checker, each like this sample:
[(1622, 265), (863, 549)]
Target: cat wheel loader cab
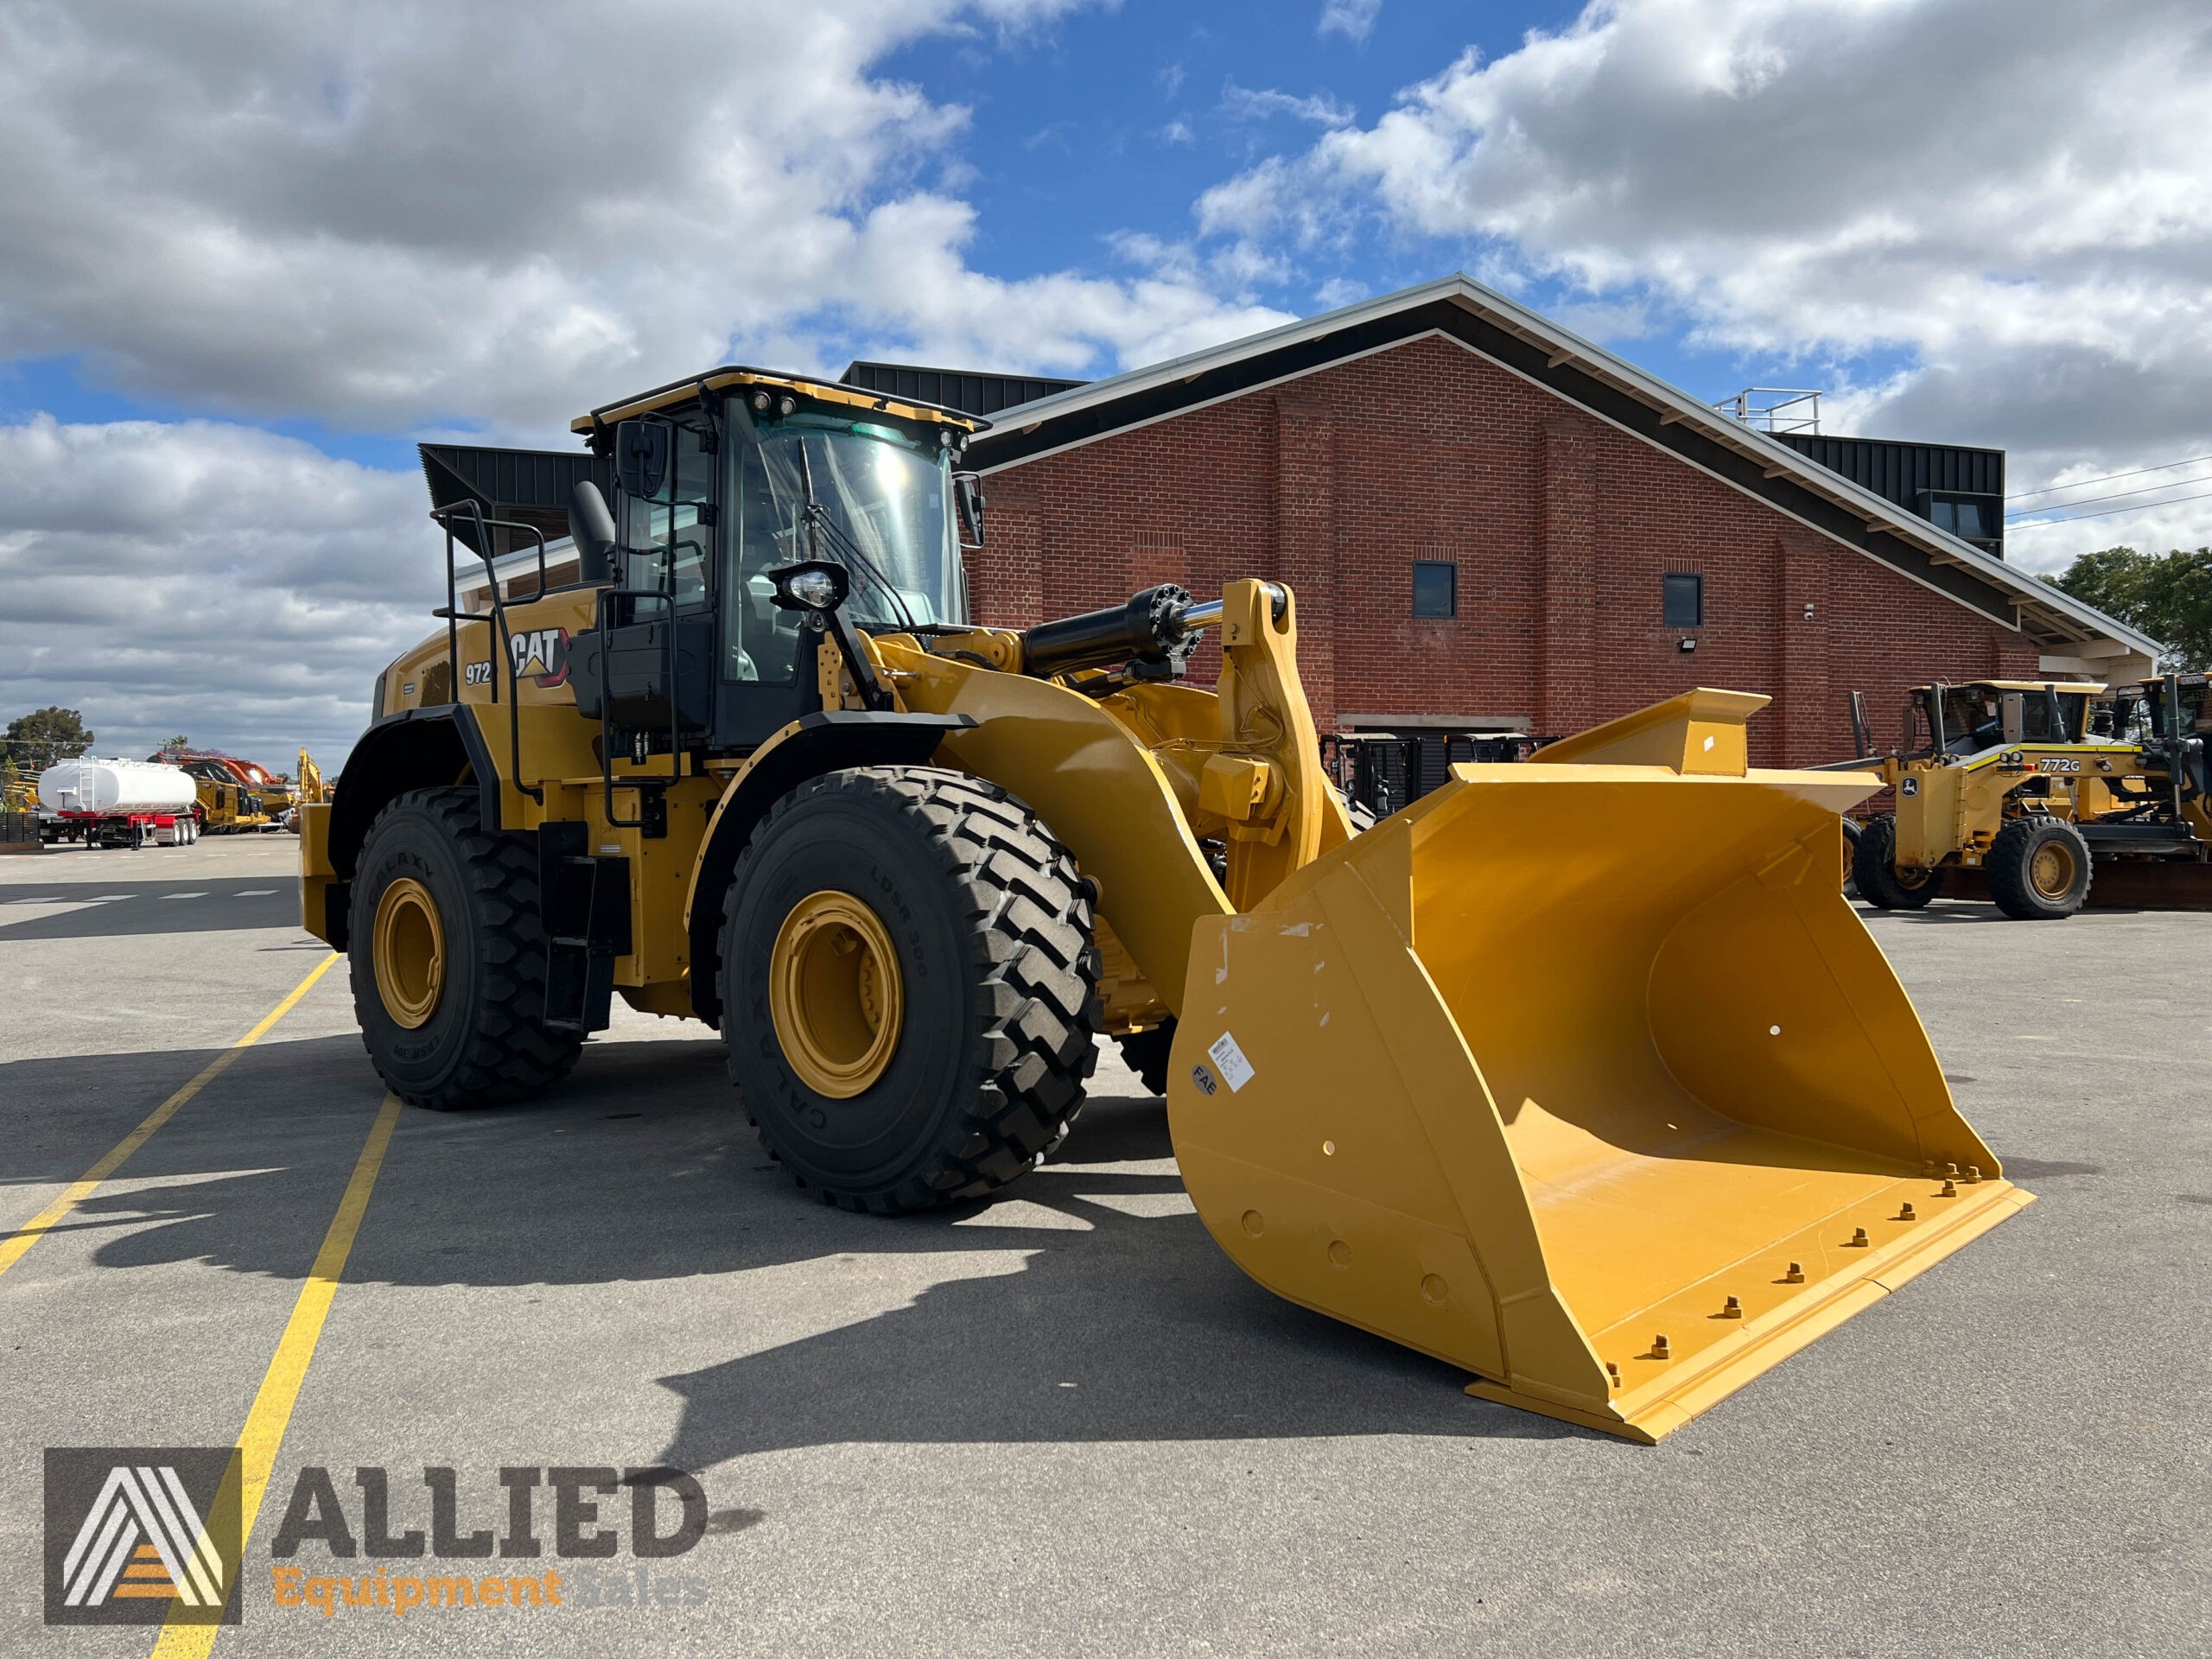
[(1613, 1121)]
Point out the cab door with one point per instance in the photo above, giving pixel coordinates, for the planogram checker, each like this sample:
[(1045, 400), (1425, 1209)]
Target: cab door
[(647, 671), (766, 675)]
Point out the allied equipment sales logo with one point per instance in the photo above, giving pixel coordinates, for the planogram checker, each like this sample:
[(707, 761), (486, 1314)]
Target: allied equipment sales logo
[(557, 1542), (147, 1536), (141, 1534)]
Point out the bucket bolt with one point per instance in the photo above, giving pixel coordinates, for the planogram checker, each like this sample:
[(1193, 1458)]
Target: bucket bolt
[(1973, 1174), (1614, 1372), (1796, 1276), (1857, 1238), (1906, 1214), (1659, 1349), (1951, 1171), (1732, 1309), (1950, 1190)]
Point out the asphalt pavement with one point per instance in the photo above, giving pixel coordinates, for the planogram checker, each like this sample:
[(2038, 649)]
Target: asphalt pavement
[(1062, 1422)]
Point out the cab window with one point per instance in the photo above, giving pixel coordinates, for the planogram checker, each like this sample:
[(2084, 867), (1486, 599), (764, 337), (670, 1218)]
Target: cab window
[(668, 536)]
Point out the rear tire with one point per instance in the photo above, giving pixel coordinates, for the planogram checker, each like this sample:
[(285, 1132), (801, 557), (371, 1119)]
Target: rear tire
[(477, 1037), (1851, 834), (992, 972), (1874, 867), (2039, 869)]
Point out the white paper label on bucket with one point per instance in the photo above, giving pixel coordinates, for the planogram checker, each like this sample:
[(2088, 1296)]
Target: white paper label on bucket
[(1235, 1069)]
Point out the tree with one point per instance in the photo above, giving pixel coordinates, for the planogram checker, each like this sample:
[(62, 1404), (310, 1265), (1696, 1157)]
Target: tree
[(2167, 596), (177, 744), (36, 741)]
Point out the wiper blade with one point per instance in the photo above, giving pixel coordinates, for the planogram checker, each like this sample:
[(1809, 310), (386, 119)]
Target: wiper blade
[(818, 520)]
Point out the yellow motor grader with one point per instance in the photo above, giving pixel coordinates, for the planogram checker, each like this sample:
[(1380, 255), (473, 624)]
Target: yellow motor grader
[(2036, 789), (1578, 1073)]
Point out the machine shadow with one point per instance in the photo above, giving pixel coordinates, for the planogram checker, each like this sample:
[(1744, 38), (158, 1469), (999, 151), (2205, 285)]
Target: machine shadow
[(1092, 1271)]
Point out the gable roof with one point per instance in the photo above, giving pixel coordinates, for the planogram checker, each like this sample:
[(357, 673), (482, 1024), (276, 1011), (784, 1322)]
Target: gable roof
[(1538, 350)]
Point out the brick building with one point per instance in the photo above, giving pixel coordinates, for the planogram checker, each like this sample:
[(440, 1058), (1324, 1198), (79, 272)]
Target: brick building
[(1492, 524)]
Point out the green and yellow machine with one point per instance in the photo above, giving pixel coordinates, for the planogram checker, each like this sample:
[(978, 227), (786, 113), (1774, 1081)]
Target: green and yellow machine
[(1579, 1074), (2034, 791)]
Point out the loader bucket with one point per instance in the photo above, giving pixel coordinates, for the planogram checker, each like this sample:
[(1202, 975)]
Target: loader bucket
[(1580, 1074)]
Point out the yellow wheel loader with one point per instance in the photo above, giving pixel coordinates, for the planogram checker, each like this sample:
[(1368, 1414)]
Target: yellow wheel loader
[(2025, 786), (1614, 1120)]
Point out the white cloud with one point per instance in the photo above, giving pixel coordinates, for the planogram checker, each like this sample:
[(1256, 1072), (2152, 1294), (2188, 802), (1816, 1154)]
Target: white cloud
[(2016, 195), (422, 215), (204, 578), (425, 211), (1353, 19), (1245, 104)]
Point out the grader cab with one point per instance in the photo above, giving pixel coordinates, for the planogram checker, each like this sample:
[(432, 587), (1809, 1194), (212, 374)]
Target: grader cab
[(1578, 1073)]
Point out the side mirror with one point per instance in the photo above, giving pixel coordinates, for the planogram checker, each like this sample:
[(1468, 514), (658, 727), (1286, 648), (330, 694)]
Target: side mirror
[(641, 457), (968, 501), (591, 527)]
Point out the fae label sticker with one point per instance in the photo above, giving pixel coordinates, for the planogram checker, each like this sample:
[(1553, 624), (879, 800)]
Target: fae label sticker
[(1235, 1069)]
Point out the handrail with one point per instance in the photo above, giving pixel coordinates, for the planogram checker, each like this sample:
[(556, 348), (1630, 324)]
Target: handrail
[(445, 516)]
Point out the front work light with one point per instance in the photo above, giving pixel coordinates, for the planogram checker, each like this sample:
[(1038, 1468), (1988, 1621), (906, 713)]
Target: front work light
[(815, 585)]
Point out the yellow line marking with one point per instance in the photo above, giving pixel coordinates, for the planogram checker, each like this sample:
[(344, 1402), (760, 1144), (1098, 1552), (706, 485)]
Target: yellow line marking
[(272, 1412), (17, 1244)]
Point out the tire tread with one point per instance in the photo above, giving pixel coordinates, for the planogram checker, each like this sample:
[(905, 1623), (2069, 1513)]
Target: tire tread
[(510, 1056), (1030, 934)]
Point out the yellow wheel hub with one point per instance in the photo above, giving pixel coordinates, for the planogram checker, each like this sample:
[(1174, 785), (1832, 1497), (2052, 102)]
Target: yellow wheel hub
[(2051, 870), (411, 953), (836, 994)]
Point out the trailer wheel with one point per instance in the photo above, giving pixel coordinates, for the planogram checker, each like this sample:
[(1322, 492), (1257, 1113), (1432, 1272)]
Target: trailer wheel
[(909, 986), (2039, 869), (448, 958), (1874, 867)]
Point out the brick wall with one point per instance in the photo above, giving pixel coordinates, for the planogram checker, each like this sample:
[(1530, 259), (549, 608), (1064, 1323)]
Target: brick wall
[(1561, 527)]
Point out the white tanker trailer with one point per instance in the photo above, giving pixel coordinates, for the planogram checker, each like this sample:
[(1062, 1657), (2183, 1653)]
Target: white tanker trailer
[(116, 803)]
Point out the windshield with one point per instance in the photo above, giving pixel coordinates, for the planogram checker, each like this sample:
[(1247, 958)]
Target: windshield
[(884, 515)]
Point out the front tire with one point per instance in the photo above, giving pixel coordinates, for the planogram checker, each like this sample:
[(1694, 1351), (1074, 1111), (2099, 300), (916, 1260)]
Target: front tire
[(1874, 867), (448, 958), (909, 987), (2039, 869)]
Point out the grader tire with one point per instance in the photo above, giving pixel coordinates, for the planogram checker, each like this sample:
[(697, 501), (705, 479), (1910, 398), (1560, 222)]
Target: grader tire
[(1873, 868), (939, 987), (468, 1033), (2038, 870)]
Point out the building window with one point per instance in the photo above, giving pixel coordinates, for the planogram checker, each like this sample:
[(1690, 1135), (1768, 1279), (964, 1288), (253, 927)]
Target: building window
[(1436, 588), (1967, 518), (1682, 599)]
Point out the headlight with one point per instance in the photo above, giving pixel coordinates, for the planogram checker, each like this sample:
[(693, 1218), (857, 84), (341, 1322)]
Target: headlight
[(816, 585)]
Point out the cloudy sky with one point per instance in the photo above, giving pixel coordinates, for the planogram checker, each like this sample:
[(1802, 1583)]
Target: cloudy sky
[(251, 250)]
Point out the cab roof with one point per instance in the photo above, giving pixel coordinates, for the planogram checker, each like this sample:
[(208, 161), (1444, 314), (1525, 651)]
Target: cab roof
[(857, 398), (2065, 687)]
